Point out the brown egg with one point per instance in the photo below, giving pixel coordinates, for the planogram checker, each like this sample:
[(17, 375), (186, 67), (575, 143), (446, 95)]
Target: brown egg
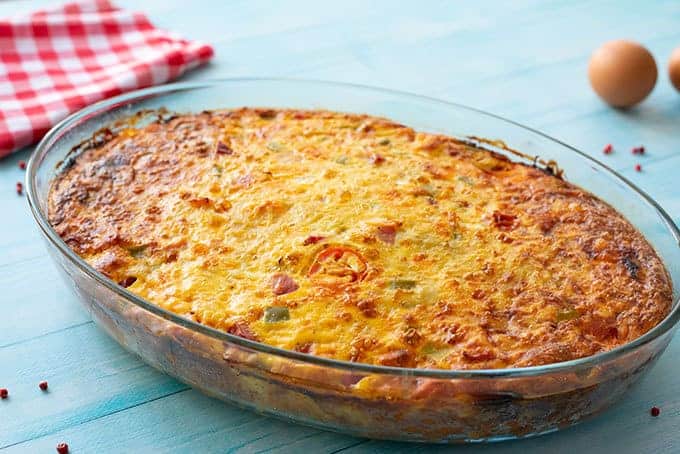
[(622, 73), (674, 68)]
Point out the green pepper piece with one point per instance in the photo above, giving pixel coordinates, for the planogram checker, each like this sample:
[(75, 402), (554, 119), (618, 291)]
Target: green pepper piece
[(137, 251), (429, 190), (404, 284), (466, 179), (429, 348), (276, 146), (566, 315), (275, 314)]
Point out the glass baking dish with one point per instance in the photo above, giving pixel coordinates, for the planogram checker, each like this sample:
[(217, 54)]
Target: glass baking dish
[(359, 399)]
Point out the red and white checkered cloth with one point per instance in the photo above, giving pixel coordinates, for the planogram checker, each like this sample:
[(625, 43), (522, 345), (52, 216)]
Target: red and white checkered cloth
[(57, 61)]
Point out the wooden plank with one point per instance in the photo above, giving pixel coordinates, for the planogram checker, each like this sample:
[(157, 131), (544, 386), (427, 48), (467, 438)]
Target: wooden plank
[(89, 376), (655, 126), (660, 180), (187, 422), (36, 309)]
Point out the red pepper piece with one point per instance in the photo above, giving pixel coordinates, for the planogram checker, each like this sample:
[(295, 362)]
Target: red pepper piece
[(377, 159), (312, 239), (282, 284), (222, 148)]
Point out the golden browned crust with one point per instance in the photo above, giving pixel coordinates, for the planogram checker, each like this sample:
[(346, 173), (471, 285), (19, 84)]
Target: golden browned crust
[(352, 237)]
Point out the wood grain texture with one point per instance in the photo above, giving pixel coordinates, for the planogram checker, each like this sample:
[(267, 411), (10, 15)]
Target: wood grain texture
[(523, 59)]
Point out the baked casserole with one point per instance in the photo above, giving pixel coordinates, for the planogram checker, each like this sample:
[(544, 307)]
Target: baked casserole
[(355, 238)]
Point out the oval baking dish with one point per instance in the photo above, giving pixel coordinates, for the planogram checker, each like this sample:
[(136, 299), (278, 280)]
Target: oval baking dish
[(410, 404)]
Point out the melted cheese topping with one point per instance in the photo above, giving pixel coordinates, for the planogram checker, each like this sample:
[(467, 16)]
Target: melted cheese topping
[(356, 238)]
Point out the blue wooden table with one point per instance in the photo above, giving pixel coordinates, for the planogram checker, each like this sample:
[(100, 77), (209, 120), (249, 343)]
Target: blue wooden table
[(525, 60)]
